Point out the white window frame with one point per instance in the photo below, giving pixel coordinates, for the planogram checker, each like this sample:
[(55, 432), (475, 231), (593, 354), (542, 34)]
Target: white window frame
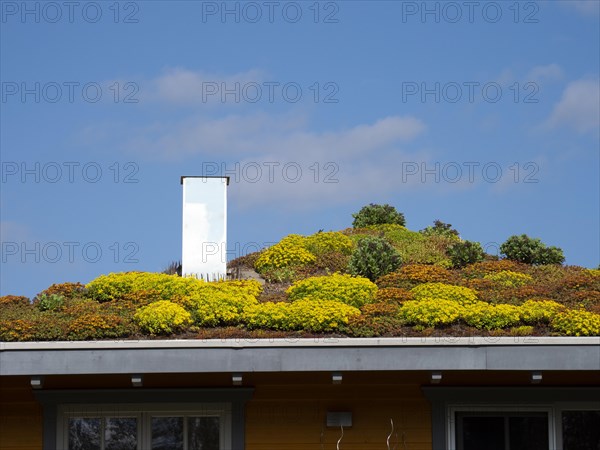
[(504, 408), (144, 413)]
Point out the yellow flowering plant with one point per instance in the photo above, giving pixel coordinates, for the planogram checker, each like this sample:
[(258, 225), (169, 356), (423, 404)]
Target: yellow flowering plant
[(329, 241), (221, 303), (411, 275), (539, 311), (491, 317), (283, 255), (509, 279), (314, 314), (116, 285), (430, 312), (442, 291), (271, 315), (162, 317), (354, 291), (577, 323)]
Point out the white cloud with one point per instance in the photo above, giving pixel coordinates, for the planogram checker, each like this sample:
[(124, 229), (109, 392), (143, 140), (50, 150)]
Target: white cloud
[(550, 72), (585, 7), (182, 86), (579, 107), (14, 232), (259, 134), (297, 167), (505, 77)]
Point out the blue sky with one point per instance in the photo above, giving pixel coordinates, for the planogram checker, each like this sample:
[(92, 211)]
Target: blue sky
[(484, 115)]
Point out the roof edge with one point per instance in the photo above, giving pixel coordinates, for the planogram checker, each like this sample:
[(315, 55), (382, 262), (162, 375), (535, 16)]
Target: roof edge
[(338, 342)]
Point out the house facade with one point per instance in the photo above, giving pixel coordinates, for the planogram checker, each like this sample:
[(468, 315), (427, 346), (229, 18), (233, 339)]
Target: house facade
[(301, 394)]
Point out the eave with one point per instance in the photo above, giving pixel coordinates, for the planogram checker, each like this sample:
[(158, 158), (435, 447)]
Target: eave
[(301, 355)]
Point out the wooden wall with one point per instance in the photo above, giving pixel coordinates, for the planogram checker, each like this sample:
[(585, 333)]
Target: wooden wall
[(20, 415), (294, 417), (288, 411)]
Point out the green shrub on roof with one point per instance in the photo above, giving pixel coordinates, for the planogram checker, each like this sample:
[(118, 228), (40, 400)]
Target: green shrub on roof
[(373, 258), (374, 214), (414, 247)]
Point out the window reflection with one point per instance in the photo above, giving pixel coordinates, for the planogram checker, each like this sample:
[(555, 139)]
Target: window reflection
[(84, 433), (581, 430), (167, 433), (120, 433), (203, 433)]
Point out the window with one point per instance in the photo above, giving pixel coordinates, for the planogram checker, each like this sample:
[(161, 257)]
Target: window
[(137, 427), (515, 418), (110, 433), (580, 429), (523, 428), (502, 430)]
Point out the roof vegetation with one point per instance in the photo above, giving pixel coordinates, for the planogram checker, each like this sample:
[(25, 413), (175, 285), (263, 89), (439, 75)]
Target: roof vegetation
[(375, 279)]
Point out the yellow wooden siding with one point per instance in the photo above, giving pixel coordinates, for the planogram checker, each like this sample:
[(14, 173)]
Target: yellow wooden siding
[(20, 415), (287, 411), (294, 416)]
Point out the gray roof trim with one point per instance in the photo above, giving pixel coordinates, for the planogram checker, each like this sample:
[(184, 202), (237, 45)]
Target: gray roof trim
[(300, 355), (427, 341)]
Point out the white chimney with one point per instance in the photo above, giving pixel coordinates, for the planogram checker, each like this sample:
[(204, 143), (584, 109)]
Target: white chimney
[(204, 236)]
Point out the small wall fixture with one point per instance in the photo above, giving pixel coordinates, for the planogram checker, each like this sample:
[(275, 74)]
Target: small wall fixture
[(237, 379), (336, 378), (536, 377), (137, 380), (37, 382), (338, 419), (436, 377)]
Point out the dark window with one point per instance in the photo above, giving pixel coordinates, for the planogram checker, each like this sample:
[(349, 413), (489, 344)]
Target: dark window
[(203, 433), (501, 431), (167, 433), (85, 433), (173, 432), (581, 430)]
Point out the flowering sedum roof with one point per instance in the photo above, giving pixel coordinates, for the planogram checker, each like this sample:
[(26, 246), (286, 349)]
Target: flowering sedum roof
[(305, 287)]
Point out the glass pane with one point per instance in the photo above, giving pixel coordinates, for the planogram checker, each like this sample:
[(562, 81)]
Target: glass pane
[(84, 433), (482, 433), (529, 432), (167, 433), (203, 433), (581, 430), (120, 433)]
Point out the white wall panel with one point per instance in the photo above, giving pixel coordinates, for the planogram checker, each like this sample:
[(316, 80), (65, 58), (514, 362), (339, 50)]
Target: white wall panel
[(204, 238)]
